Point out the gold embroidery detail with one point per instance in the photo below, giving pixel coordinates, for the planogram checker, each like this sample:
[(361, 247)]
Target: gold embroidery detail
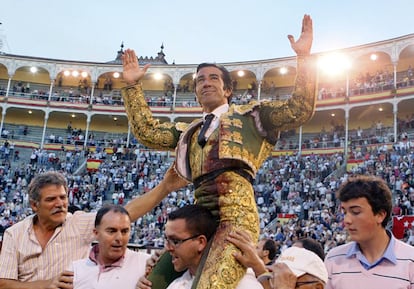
[(181, 126), (147, 130), (237, 212), (235, 122), (243, 109)]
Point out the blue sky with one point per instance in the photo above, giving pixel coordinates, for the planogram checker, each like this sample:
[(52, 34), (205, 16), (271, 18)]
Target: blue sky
[(194, 31)]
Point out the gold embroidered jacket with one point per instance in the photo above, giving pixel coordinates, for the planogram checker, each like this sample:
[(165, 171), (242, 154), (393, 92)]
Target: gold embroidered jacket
[(246, 133)]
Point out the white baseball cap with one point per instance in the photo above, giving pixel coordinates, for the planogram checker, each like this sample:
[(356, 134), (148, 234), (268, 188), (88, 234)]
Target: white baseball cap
[(302, 261)]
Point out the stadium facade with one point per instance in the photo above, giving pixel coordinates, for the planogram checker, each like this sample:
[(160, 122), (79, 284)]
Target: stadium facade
[(368, 87)]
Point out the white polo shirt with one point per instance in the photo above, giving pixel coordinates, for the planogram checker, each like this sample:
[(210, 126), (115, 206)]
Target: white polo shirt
[(87, 274)]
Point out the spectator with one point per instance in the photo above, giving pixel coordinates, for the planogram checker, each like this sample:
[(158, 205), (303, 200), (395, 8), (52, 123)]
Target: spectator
[(50, 236), (266, 249), (186, 239), (374, 258), (60, 237), (297, 267), (110, 263), (304, 264), (311, 245)]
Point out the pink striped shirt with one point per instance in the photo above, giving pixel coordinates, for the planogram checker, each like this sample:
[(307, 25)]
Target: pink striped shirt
[(22, 257), (345, 271)]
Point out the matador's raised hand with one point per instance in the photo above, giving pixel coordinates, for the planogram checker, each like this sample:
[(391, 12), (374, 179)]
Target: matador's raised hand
[(304, 44), (131, 70)]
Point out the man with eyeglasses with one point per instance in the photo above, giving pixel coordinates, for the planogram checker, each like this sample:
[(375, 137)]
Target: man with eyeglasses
[(188, 232)]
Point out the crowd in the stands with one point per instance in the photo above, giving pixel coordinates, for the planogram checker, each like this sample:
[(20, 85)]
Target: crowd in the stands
[(295, 194)]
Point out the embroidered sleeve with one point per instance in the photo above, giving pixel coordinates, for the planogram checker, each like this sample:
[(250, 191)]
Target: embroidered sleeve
[(278, 115), (148, 131)]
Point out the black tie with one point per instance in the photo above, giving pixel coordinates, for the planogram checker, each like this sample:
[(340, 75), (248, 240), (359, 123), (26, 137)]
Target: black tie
[(202, 135)]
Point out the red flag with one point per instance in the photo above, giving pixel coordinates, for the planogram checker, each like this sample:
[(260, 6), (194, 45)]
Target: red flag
[(400, 224)]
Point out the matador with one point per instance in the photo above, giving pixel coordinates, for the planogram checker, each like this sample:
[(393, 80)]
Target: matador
[(237, 142)]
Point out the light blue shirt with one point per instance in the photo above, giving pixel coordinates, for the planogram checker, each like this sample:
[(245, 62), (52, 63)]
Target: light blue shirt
[(388, 254)]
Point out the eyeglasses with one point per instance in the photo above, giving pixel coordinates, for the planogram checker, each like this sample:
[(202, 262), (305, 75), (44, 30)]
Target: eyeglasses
[(177, 242), (298, 284)]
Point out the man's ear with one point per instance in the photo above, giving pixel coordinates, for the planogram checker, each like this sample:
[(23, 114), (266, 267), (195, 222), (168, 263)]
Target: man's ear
[(381, 216), (202, 243), (228, 92), (319, 286), (34, 205)]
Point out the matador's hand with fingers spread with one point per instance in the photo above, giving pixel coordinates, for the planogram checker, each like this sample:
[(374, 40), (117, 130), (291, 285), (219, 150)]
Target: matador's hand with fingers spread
[(304, 44), (131, 69)]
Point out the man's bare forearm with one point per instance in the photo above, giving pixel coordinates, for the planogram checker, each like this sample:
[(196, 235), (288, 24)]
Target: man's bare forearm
[(14, 284), (146, 202)]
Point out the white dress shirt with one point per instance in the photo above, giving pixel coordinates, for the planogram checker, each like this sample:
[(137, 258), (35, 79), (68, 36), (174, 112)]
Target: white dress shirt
[(247, 282)]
